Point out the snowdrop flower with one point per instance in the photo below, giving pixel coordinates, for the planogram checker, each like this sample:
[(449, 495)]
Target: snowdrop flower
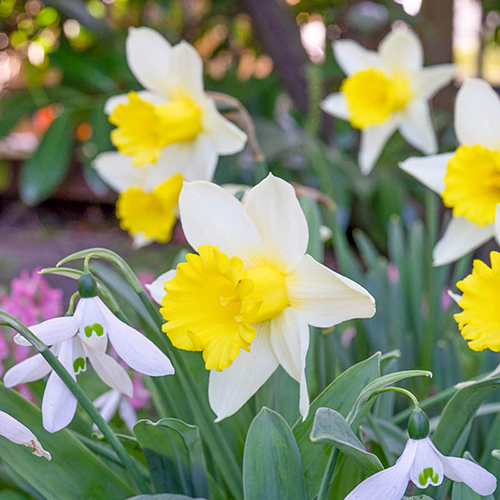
[(74, 339), (467, 180), (114, 401), (387, 90), (16, 432), (168, 132), (247, 297), (423, 465)]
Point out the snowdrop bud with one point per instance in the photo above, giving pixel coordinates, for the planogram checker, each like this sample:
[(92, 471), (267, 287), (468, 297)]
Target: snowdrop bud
[(418, 424), (87, 286)]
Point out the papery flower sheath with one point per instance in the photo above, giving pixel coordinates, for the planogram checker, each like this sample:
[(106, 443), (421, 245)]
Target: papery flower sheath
[(168, 132), (18, 433), (467, 180), (247, 297), (385, 91), (74, 339)]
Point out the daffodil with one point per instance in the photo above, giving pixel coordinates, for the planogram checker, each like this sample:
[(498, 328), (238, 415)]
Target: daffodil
[(385, 91), (16, 432), (169, 131), (467, 180), (247, 297), (479, 321), (74, 339), (423, 465)]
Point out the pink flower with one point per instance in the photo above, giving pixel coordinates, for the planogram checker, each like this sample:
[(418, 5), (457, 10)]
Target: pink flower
[(141, 394)]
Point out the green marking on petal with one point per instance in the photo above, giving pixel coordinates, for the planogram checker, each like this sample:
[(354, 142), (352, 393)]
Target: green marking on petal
[(428, 473), (79, 365), (96, 327)]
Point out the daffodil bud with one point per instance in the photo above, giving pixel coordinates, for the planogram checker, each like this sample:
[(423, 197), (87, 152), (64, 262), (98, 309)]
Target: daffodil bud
[(418, 424), (87, 286)]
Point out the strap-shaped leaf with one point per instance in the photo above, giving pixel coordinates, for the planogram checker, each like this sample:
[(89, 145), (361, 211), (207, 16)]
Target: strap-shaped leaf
[(330, 427), (271, 463)]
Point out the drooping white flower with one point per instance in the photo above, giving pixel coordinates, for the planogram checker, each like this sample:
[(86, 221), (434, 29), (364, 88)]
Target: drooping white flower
[(247, 299), (114, 401), (170, 130), (385, 91), (467, 180), (74, 339), (423, 465), (16, 432)]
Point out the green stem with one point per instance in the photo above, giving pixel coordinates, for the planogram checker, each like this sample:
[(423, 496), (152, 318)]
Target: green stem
[(328, 475), (400, 390), (9, 320)]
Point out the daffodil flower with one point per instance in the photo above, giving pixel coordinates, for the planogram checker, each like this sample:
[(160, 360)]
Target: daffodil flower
[(467, 180), (170, 130), (74, 339), (247, 297), (423, 465), (16, 432), (385, 91)]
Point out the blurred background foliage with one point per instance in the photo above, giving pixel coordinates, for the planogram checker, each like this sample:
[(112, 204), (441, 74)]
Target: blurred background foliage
[(61, 59)]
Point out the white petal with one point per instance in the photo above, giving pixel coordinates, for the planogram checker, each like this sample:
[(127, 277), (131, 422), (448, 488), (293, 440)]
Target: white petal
[(117, 171), (18, 433), (89, 313), (231, 388), (53, 331), (352, 57), (290, 342), (428, 81), (416, 127), (148, 57), (401, 50), (195, 160), (336, 105), (460, 238), (110, 372), (145, 95), (211, 216), (324, 298), (454, 296), (465, 471), (373, 140), (477, 114), (426, 458), (135, 348), (186, 72), (275, 211), (29, 370), (389, 484), (226, 136), (429, 171), (58, 404), (157, 288), (108, 404), (127, 414)]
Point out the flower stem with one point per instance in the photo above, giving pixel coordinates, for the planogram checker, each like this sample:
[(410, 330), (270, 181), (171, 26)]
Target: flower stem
[(400, 390), (9, 320), (327, 476)]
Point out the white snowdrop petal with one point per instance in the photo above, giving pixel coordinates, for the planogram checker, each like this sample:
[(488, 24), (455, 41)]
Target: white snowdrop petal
[(18, 433), (427, 468), (28, 370)]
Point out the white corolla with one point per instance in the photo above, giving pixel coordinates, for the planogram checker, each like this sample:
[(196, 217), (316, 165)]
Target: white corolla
[(468, 180), (170, 130), (385, 91), (246, 299), (18, 433), (74, 339)]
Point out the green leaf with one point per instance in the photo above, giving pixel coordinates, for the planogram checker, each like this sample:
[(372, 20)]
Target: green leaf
[(48, 165), (330, 427), (164, 496), (456, 418), (271, 463), (73, 472), (314, 221), (340, 395), (13, 107), (174, 454)]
